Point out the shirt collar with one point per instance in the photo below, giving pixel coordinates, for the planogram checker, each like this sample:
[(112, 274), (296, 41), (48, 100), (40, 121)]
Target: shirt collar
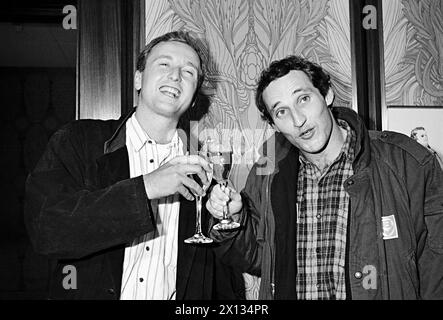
[(139, 137)]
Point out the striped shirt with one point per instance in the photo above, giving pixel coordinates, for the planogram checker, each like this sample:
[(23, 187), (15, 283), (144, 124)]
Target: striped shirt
[(149, 267), (322, 215)]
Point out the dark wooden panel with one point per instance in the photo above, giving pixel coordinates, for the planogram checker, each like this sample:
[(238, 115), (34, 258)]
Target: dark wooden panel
[(368, 82), (99, 66), (133, 33), (109, 42)]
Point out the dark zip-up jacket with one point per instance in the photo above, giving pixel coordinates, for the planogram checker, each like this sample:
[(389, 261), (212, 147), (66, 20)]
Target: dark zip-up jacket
[(82, 209), (393, 176)]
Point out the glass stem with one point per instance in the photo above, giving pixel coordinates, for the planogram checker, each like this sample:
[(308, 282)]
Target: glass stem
[(225, 208), (198, 225)]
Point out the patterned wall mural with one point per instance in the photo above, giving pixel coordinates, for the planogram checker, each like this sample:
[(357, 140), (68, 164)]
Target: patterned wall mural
[(240, 39), (413, 36)]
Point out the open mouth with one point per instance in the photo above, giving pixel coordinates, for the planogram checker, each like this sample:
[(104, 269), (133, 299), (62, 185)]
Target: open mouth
[(170, 92), (307, 134)]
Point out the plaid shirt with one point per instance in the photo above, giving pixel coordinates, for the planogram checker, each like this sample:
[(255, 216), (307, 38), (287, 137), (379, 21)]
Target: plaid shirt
[(322, 214)]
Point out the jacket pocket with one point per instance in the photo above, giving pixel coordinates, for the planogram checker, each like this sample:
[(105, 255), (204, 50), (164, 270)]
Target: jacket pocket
[(434, 224)]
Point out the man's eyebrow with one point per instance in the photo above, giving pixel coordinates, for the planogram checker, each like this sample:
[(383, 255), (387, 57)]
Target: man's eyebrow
[(275, 105), (163, 56), (189, 63), (293, 93), (168, 57), (300, 90)]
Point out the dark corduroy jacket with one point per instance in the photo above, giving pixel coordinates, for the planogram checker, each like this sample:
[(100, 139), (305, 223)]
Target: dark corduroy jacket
[(393, 176), (82, 209)]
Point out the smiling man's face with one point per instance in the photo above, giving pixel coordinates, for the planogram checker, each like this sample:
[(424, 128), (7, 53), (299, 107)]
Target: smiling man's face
[(169, 81), (300, 112)]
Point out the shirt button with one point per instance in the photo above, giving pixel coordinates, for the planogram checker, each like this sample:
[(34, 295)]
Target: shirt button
[(147, 248), (350, 182), (149, 141), (318, 216), (141, 279), (151, 161), (318, 285), (358, 275), (111, 291)]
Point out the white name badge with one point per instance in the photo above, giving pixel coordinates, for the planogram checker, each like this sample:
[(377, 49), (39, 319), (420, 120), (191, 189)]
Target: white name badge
[(389, 227)]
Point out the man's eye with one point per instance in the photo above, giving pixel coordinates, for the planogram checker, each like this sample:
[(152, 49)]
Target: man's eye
[(189, 72), (280, 113), (305, 99)]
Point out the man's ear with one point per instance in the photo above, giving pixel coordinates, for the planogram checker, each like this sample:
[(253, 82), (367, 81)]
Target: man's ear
[(138, 80), (329, 98)]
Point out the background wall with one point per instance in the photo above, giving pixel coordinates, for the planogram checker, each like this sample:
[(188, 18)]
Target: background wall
[(241, 38), (37, 95), (34, 44), (413, 36)]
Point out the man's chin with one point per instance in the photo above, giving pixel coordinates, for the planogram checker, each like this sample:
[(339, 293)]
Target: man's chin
[(314, 149)]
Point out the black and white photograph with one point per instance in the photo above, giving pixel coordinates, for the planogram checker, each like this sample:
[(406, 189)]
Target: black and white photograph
[(222, 155)]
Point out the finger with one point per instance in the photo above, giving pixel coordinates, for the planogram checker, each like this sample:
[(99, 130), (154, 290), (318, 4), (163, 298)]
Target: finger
[(217, 204), (235, 196), (191, 184), (186, 168), (192, 159), (214, 210), (232, 193), (185, 193), (218, 195)]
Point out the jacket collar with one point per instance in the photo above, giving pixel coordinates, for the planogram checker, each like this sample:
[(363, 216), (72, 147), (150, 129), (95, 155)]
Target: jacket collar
[(362, 153), (118, 139), (362, 149)]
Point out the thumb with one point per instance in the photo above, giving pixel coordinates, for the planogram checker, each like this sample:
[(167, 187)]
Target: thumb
[(235, 196)]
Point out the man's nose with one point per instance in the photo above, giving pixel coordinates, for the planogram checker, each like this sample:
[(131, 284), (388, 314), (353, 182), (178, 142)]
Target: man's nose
[(298, 118), (174, 74)]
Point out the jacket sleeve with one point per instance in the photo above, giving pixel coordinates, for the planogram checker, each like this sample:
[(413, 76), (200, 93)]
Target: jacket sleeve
[(241, 247), (430, 262), (69, 217)]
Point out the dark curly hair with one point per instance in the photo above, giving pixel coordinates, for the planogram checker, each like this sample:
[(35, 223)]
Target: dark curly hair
[(178, 36), (279, 68)]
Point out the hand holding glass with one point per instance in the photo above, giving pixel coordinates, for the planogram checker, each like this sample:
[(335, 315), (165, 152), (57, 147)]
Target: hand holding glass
[(199, 237), (221, 159)]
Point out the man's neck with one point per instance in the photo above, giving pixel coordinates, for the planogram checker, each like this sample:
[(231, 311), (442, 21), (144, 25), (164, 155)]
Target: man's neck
[(158, 127), (324, 159)]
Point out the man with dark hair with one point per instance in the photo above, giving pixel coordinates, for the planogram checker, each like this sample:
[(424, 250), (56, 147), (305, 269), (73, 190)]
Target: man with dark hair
[(111, 200), (346, 214)]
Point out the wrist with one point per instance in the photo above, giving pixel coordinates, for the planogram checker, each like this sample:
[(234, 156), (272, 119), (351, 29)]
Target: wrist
[(150, 193)]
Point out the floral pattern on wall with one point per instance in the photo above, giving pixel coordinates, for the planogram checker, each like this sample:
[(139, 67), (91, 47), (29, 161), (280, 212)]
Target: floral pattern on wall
[(413, 41)]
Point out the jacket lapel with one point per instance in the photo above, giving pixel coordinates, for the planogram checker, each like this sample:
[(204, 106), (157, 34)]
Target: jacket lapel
[(284, 201), (186, 252), (111, 168)]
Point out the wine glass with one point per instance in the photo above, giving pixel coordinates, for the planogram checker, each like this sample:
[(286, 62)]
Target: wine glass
[(221, 159), (199, 237)]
